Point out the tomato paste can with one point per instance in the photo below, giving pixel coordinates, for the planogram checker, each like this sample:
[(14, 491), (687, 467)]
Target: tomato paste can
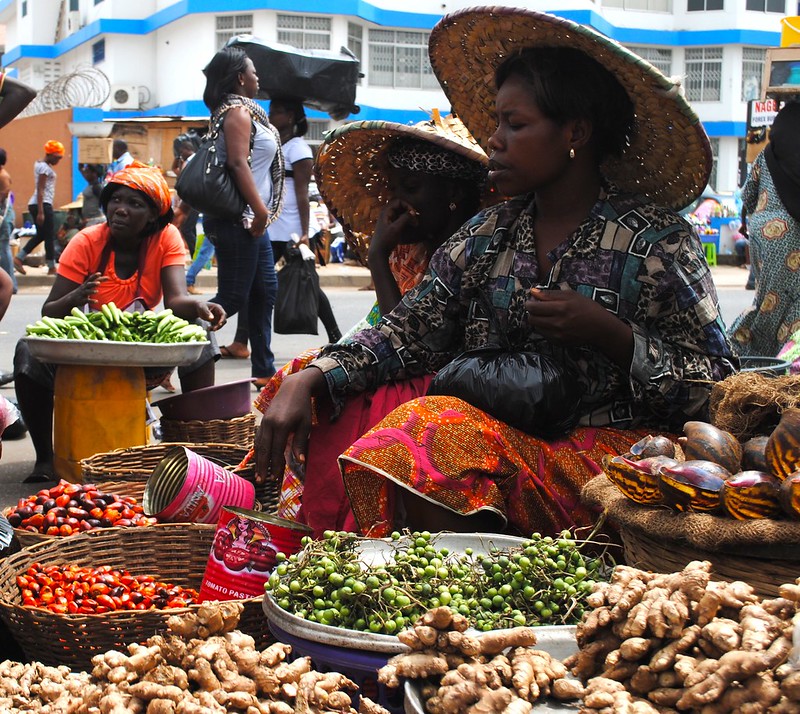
[(188, 488), (244, 551)]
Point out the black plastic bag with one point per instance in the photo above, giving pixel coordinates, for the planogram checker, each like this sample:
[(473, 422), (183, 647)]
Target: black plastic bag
[(297, 303), (525, 390), (320, 79)]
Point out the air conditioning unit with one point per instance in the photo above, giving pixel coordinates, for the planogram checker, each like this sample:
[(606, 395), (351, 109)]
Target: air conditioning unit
[(124, 96), (73, 21)]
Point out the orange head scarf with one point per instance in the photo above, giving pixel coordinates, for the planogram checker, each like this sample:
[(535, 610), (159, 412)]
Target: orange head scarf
[(54, 147), (144, 178)]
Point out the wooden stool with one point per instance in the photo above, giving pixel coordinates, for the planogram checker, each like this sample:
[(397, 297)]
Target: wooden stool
[(711, 253), (96, 409)]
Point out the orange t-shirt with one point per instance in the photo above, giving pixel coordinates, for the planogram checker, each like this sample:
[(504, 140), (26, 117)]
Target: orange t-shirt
[(82, 256)]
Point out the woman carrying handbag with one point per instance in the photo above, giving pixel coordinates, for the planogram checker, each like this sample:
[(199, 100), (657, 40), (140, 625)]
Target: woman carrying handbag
[(249, 148)]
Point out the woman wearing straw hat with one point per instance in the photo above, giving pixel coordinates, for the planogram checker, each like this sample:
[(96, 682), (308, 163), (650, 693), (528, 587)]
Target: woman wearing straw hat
[(588, 264), (40, 207), (399, 191), (406, 189)]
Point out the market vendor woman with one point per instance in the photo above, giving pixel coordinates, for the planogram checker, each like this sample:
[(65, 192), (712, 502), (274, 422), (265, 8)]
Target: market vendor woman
[(588, 263), (133, 260)]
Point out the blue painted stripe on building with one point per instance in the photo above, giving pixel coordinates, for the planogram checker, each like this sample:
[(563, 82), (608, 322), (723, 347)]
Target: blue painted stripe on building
[(672, 38), (725, 128), (379, 16)]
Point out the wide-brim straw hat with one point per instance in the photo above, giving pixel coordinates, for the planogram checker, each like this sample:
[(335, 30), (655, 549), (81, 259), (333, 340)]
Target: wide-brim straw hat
[(352, 166), (669, 156)]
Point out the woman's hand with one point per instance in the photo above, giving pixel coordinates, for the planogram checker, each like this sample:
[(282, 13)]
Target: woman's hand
[(88, 288), (259, 224), (395, 219), (212, 313), (568, 318), (288, 416)]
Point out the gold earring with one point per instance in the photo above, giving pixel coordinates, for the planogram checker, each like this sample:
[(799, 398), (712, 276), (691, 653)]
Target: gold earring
[(452, 206), (572, 153)]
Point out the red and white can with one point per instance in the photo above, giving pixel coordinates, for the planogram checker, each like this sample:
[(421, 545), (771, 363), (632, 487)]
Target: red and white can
[(244, 552)]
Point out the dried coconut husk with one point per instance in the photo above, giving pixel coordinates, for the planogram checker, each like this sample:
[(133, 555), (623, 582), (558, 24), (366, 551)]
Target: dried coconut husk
[(748, 404)]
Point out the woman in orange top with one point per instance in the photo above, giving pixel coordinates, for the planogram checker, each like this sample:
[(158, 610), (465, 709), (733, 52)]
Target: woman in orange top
[(136, 257)]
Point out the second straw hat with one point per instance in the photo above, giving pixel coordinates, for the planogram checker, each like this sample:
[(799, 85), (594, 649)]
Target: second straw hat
[(669, 156), (352, 165)]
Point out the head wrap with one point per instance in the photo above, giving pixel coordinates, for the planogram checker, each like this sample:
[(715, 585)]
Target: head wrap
[(146, 179), (54, 147), (782, 155), (419, 155)]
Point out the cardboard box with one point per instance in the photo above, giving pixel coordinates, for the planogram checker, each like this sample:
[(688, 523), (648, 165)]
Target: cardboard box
[(95, 151)]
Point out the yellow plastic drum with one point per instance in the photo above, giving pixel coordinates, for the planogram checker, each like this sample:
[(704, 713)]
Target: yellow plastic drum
[(97, 409)]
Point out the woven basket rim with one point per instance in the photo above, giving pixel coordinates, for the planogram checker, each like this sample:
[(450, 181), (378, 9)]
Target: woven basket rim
[(701, 530), (34, 552), (669, 158), (351, 165)]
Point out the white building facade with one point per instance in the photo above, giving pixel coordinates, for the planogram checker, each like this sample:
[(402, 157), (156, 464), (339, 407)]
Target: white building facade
[(153, 51)]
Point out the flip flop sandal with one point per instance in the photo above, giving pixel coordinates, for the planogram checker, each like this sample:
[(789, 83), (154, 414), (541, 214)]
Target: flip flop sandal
[(227, 354)]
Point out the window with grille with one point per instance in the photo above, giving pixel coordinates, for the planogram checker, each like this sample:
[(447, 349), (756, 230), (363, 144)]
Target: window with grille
[(23, 10), (316, 131), (98, 51), (712, 179), (703, 5), (305, 32), (646, 5), (355, 42), (660, 58), (231, 25), (752, 71), (704, 74), (400, 59), (767, 6)]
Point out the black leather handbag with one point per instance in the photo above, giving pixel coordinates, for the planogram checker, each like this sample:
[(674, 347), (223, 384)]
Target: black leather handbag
[(206, 184)]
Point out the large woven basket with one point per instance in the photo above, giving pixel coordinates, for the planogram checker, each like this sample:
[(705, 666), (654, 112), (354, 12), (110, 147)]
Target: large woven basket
[(135, 464), (764, 553), (238, 430), (174, 553)]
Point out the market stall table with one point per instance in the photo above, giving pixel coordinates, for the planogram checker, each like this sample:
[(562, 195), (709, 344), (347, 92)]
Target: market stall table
[(100, 393)]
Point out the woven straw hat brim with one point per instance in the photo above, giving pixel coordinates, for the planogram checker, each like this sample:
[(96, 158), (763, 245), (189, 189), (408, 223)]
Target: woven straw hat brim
[(669, 158), (351, 165)]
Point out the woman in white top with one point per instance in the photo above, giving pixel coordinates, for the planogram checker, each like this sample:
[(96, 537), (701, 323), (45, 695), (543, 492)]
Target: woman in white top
[(40, 207), (250, 148), (289, 118)]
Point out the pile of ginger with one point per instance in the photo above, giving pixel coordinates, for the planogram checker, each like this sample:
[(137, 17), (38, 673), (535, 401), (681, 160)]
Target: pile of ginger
[(460, 673), (201, 665), (680, 642)]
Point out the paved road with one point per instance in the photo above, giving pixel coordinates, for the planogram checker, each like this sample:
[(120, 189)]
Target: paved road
[(350, 304)]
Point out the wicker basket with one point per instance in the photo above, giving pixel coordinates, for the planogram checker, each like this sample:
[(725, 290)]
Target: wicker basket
[(764, 553), (239, 430), (135, 464), (117, 488), (175, 553)]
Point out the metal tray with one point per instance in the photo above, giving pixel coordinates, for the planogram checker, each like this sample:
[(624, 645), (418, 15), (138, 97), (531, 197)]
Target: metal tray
[(114, 354), (376, 551)]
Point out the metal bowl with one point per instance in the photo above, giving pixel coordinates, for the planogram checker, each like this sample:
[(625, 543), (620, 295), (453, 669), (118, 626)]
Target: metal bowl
[(114, 354), (375, 551)]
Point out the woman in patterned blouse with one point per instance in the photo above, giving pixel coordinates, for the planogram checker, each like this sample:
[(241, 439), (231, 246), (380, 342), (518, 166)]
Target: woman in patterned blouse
[(606, 281)]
